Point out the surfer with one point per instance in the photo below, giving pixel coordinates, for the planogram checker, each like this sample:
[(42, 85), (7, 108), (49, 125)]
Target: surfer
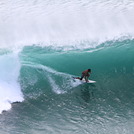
[(85, 74)]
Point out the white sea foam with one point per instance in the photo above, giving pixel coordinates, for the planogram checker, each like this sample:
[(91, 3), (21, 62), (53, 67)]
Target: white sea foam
[(9, 87)]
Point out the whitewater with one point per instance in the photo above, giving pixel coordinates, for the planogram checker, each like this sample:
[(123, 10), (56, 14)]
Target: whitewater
[(43, 44)]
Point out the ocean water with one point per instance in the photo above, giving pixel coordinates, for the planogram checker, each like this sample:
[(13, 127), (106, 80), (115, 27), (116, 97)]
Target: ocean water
[(43, 44)]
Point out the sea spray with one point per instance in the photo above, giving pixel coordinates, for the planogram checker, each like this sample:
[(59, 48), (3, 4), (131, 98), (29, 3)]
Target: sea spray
[(61, 22)]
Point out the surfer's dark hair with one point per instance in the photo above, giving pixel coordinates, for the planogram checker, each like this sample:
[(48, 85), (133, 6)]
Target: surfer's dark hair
[(89, 70)]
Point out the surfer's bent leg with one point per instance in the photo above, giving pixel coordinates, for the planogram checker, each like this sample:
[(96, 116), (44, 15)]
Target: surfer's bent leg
[(82, 76)]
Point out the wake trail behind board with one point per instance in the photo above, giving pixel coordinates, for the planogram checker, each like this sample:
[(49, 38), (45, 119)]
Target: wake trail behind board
[(83, 80)]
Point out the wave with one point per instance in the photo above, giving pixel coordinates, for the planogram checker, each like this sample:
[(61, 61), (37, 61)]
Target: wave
[(37, 70)]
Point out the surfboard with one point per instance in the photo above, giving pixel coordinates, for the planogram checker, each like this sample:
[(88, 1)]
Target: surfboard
[(83, 80)]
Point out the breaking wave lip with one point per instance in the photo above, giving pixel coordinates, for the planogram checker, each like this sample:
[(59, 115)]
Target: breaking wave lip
[(10, 90), (83, 46)]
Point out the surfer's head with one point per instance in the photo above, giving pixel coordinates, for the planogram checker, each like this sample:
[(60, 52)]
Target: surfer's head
[(89, 70)]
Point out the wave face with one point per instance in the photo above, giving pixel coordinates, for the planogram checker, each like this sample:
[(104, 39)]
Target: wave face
[(43, 44)]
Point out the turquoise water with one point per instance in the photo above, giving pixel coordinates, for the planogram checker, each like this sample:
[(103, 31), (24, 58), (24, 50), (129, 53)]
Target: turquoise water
[(38, 60), (52, 98)]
